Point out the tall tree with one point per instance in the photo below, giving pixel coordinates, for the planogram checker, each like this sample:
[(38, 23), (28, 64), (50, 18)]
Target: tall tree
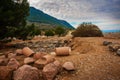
[(13, 13)]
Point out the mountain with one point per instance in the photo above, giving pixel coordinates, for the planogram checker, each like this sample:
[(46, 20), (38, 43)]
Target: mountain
[(41, 17)]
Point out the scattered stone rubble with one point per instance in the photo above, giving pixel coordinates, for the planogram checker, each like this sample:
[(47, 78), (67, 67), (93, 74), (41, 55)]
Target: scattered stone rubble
[(13, 63), (28, 60), (39, 55), (50, 71), (69, 66), (27, 51), (18, 52), (6, 73), (3, 60), (118, 52), (63, 51), (34, 64), (47, 45), (26, 72), (105, 43), (113, 47)]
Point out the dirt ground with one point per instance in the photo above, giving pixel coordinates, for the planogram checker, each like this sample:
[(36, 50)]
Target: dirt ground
[(92, 60)]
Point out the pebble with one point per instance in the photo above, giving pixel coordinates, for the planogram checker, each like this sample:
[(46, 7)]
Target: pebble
[(13, 63), (28, 60), (68, 66), (1, 54), (118, 52)]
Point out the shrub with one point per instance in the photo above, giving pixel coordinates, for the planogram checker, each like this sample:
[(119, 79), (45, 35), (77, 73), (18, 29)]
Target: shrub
[(28, 31), (49, 33), (60, 31), (23, 32), (87, 30)]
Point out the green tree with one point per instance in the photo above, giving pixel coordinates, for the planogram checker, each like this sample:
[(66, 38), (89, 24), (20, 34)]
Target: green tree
[(33, 30), (27, 31), (49, 33), (12, 15), (60, 31)]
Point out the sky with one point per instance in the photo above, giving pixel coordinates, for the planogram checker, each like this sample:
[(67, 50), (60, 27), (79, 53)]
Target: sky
[(103, 13)]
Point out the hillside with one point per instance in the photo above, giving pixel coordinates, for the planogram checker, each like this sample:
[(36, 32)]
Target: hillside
[(40, 17)]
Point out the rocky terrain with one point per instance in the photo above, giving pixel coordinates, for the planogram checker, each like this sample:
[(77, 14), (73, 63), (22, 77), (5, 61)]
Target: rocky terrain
[(89, 59)]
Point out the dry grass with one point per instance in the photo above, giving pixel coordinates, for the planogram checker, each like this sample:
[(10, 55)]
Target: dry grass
[(112, 35)]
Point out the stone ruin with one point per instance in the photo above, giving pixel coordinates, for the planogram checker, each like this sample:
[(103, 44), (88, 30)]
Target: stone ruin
[(25, 64), (113, 47)]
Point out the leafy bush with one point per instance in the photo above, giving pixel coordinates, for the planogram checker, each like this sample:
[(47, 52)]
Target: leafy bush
[(60, 31), (49, 33), (28, 31), (23, 32), (87, 30)]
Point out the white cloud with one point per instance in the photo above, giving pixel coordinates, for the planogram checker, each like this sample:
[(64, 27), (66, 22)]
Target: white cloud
[(76, 11)]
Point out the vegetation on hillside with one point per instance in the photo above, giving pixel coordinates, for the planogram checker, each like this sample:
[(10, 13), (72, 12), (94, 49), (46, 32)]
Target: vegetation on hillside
[(60, 31), (87, 30)]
